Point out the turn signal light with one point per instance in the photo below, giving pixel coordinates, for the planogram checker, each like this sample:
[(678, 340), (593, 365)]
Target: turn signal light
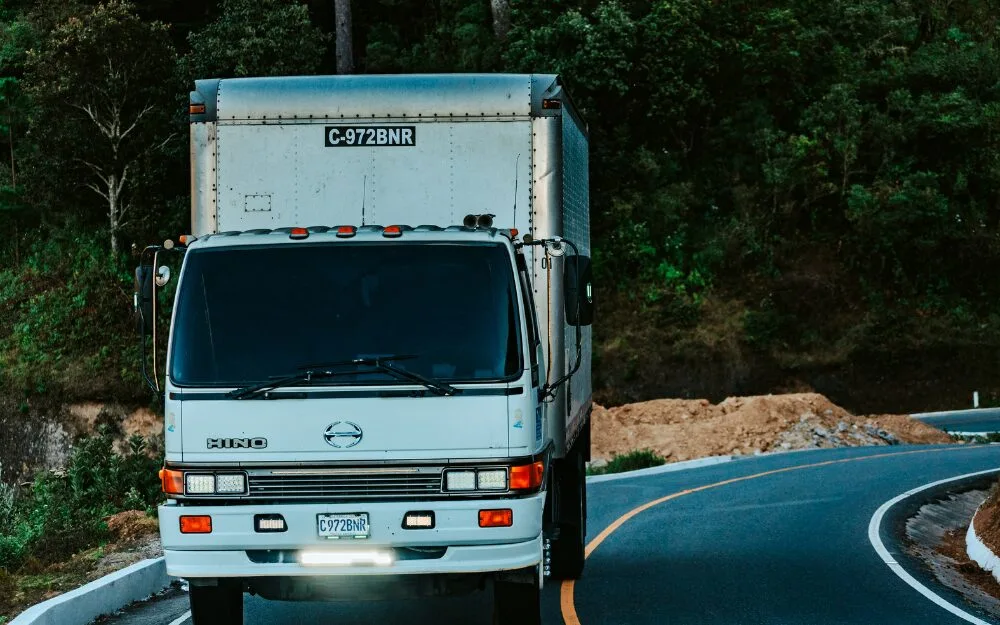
[(527, 476), (496, 518), (196, 525), (172, 482)]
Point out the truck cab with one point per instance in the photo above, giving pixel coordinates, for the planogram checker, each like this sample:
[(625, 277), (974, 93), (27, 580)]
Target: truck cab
[(377, 377)]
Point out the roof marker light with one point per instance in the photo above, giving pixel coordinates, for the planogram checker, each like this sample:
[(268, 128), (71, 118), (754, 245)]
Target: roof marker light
[(346, 232), (298, 233), (392, 232)]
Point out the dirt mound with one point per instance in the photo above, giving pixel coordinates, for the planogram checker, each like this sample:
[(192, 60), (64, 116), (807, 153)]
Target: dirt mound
[(680, 429), (131, 525)]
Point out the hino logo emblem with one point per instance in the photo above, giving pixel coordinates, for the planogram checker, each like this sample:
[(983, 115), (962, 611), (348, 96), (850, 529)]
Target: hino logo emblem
[(343, 434), (237, 443)]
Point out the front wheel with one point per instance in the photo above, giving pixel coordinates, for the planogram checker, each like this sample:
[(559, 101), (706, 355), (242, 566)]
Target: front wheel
[(568, 551), (217, 605), (517, 603)]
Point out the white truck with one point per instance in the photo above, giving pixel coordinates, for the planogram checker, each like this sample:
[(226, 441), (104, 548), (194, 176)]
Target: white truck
[(377, 382)]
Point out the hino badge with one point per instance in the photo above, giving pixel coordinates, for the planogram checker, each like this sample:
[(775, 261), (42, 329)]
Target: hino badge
[(377, 380)]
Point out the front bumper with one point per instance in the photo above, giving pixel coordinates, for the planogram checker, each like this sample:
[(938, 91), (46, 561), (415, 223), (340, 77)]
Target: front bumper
[(226, 552)]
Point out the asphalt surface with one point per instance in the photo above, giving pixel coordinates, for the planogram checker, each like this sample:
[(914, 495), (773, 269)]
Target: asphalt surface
[(786, 548), (979, 420)]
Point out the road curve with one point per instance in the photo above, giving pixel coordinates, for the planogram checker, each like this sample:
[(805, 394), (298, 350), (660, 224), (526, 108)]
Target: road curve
[(778, 539), (978, 420), (788, 547)]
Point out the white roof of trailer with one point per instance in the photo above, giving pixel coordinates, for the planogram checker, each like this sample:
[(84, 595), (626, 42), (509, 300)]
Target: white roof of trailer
[(375, 96)]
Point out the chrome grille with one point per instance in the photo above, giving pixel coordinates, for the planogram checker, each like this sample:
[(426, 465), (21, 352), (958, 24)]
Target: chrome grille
[(345, 484)]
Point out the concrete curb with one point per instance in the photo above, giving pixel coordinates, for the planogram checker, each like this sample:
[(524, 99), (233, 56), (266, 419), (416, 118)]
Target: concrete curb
[(102, 596), (665, 468), (894, 560), (979, 552), (965, 412)]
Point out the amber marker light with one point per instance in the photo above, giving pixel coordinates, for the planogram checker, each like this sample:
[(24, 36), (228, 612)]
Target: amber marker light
[(496, 518), (172, 482), (196, 525), (527, 476)]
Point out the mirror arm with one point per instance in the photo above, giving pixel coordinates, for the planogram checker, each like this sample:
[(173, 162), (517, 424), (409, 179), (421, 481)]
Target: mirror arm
[(154, 381), (548, 390), (143, 321)]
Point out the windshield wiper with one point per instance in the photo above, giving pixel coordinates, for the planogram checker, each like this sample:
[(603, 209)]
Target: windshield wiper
[(253, 390), (324, 371), (383, 364)]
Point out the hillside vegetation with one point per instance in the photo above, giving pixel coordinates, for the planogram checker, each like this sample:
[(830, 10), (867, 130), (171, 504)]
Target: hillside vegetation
[(786, 195)]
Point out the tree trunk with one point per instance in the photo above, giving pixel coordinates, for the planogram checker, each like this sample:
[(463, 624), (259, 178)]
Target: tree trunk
[(501, 18), (10, 127), (113, 212), (345, 40)]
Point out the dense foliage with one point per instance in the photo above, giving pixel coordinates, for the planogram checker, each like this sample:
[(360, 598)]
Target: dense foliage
[(783, 191), (65, 511)]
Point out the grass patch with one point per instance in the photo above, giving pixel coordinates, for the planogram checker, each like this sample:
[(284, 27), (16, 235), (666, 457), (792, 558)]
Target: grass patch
[(633, 460)]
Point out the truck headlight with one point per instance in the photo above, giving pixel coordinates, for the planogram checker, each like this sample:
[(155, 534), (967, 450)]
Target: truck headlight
[(460, 480), (493, 479), (199, 484), (230, 483)]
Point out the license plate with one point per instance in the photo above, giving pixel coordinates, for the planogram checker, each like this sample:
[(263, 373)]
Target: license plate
[(354, 525)]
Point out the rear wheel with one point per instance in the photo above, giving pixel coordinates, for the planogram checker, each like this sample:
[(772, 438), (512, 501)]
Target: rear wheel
[(568, 550), (517, 603), (217, 605)]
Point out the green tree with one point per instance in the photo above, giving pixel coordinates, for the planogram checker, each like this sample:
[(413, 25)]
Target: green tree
[(102, 93), (256, 38)]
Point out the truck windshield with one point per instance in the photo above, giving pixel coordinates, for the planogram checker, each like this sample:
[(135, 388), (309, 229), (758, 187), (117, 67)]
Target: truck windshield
[(247, 314)]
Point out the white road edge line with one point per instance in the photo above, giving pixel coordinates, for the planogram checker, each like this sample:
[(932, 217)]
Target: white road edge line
[(895, 567), (181, 619)]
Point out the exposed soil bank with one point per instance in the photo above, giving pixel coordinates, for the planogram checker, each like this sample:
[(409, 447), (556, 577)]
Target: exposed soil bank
[(680, 429), (37, 437)]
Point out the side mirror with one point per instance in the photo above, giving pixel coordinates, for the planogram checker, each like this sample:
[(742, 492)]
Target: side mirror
[(578, 290), (143, 300)]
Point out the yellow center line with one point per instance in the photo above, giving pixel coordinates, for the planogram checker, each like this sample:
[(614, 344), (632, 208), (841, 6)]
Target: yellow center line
[(566, 601)]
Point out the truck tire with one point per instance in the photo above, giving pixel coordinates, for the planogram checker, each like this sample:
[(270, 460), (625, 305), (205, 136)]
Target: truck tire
[(517, 603), (217, 605), (568, 550)]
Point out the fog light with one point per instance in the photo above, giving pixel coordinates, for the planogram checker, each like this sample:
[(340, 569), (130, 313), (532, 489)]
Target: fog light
[(496, 518), (345, 558), (460, 480), (230, 484), (265, 523), (196, 525), (200, 484), (418, 521), (494, 479)]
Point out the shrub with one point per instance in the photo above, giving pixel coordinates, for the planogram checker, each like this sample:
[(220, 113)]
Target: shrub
[(632, 461), (64, 511)]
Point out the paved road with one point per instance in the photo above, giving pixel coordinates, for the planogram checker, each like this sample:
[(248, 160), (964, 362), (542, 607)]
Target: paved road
[(980, 420), (787, 548)]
